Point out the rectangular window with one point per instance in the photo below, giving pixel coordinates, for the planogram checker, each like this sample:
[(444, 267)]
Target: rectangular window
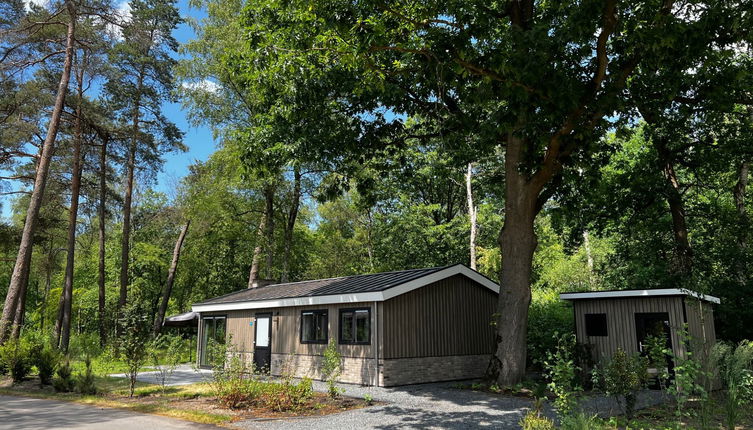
[(355, 326), (314, 326), (596, 324)]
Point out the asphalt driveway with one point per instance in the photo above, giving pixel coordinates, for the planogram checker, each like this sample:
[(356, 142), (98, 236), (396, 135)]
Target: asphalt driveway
[(22, 413)]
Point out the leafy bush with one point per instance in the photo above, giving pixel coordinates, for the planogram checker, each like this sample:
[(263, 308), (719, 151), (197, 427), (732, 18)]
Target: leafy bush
[(533, 420), (736, 374), (623, 376), (561, 371), (240, 393), (133, 341), (547, 318), (46, 359), (581, 421), (85, 381), (685, 385), (165, 353), (15, 355), (658, 356), (332, 368), (63, 381)]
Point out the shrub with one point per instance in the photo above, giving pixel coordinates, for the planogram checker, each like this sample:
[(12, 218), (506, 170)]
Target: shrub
[(685, 385), (581, 421), (165, 353), (332, 368), (623, 376), (561, 372), (133, 341), (533, 420), (547, 318), (63, 381), (85, 381), (15, 355), (734, 365), (46, 359)]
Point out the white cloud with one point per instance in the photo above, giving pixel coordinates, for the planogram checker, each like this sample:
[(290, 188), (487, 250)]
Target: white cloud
[(40, 3), (203, 85), (122, 14)]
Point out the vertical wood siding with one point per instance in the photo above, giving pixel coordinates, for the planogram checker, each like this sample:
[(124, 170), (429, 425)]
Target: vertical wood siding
[(286, 326), (621, 322), (449, 317)]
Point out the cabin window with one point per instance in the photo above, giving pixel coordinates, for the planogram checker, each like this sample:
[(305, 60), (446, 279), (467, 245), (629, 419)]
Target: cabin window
[(355, 326), (314, 326), (596, 324)]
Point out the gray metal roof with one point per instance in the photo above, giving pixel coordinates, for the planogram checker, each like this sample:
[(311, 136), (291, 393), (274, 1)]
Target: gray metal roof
[(324, 287)]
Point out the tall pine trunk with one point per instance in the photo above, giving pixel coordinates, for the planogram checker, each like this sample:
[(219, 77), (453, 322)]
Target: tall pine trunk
[(253, 274), (21, 269), (101, 273), (63, 328), (128, 198), (170, 279), (290, 226)]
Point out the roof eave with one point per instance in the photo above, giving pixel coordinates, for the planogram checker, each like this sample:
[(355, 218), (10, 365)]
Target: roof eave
[(638, 294)]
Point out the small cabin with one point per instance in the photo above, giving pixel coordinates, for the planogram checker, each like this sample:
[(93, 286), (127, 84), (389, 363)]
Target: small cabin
[(606, 321), (395, 328)]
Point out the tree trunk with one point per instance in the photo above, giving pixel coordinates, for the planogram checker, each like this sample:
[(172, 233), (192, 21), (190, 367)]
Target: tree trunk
[(170, 279), (518, 242), (101, 270), (472, 214), (63, 330), (739, 193), (269, 197), (683, 252), (290, 227), (128, 198), (253, 274), (23, 259)]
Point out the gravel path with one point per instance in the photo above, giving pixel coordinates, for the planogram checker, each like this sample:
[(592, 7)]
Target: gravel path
[(425, 406), (183, 375)]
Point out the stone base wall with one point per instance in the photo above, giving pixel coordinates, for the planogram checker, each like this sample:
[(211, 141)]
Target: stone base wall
[(355, 370), (392, 372), (403, 371)]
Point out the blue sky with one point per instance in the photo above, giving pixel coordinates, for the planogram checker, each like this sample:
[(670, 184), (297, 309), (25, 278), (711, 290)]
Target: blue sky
[(198, 139)]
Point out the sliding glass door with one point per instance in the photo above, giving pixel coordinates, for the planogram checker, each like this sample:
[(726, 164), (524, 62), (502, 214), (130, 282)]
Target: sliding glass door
[(212, 339)]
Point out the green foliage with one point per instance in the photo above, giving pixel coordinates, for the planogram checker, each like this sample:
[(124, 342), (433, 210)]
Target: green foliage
[(533, 420), (735, 370), (548, 316), (85, 381), (166, 353), (561, 370), (688, 374), (622, 376), (331, 368), (581, 421), (63, 381), (133, 342), (658, 358), (46, 360), (368, 398), (16, 356)]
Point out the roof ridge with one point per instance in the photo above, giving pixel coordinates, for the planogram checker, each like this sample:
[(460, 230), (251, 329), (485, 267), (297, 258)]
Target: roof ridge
[(265, 287)]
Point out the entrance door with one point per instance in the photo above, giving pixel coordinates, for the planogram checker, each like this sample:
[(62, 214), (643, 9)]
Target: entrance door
[(212, 340), (263, 342), (657, 326)]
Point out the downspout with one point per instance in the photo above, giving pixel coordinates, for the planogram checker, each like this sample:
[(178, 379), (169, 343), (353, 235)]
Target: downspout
[(376, 344)]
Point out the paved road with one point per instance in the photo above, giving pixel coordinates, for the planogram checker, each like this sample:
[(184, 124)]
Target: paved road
[(182, 375), (21, 413)]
